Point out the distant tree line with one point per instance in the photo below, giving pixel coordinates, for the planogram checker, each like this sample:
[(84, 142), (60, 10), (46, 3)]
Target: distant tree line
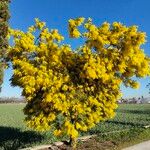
[(12, 100)]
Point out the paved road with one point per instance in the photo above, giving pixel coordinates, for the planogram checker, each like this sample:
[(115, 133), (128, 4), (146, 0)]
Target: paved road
[(140, 146)]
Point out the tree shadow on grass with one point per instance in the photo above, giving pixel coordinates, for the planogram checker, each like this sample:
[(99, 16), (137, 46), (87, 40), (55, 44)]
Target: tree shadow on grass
[(126, 123), (147, 111), (14, 138)]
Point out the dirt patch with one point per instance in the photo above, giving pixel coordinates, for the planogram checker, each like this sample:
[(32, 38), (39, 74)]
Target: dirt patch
[(91, 144)]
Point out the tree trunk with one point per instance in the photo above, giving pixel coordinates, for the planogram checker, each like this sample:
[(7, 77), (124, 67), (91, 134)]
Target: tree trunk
[(73, 143)]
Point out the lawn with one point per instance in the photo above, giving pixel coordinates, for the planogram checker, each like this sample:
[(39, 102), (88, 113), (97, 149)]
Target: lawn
[(130, 119)]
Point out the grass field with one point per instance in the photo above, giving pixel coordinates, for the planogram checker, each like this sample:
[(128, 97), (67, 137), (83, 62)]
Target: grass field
[(130, 119)]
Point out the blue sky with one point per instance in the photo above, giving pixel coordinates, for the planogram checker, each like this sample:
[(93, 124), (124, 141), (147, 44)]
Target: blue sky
[(57, 12)]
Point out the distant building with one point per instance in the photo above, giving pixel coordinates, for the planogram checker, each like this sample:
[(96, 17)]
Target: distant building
[(140, 100)]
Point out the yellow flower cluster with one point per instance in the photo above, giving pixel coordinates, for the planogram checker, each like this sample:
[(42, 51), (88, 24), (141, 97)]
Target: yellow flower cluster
[(73, 24), (75, 89)]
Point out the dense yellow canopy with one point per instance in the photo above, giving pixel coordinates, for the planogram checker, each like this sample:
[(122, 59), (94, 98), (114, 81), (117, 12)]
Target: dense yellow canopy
[(70, 89)]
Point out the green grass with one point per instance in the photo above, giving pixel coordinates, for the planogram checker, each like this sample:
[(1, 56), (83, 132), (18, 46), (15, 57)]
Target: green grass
[(127, 116), (14, 134), (130, 121), (11, 115)]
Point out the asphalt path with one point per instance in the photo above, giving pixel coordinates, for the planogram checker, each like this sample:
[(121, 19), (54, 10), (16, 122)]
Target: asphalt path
[(140, 146)]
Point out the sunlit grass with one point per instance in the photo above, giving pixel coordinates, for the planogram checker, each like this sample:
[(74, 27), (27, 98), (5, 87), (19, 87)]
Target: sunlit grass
[(128, 116)]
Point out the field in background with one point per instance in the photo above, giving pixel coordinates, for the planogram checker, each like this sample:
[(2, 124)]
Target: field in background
[(130, 119)]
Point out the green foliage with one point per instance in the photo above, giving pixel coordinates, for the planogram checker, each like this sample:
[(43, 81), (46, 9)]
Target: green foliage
[(4, 16)]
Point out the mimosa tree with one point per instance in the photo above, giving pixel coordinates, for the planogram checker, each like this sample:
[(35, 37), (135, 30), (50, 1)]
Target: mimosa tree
[(70, 89)]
